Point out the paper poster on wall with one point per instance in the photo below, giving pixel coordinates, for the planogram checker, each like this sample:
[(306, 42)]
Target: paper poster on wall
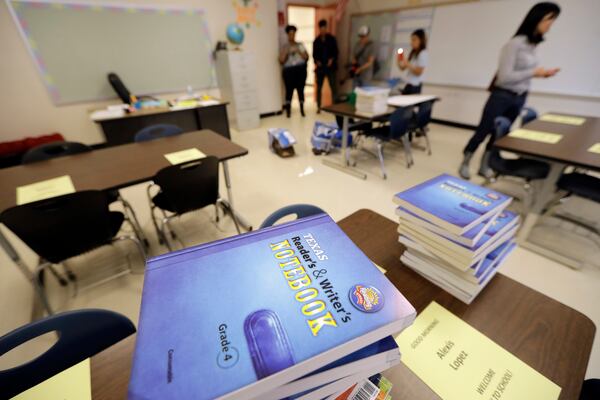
[(245, 11), (386, 34)]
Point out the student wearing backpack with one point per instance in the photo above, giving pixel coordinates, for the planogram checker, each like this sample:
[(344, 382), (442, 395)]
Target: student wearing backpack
[(416, 62), (363, 60)]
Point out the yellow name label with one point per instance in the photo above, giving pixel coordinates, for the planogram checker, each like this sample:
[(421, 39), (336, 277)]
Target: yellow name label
[(595, 148), (563, 119), (460, 363), (186, 155), (536, 136), (45, 189)]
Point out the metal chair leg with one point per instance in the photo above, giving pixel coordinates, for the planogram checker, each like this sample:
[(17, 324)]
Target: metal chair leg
[(138, 245), (407, 152), (380, 156), (159, 236), (426, 136), (135, 223), (227, 208), (163, 228)]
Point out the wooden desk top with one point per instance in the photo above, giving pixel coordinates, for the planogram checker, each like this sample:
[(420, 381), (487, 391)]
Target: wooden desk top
[(549, 336), (348, 110), (571, 149), (114, 167), (158, 110)]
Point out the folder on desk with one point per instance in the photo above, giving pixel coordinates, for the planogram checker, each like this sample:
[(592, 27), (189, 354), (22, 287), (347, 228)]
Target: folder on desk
[(71, 384)]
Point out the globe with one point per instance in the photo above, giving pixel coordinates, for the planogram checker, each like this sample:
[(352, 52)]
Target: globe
[(235, 34)]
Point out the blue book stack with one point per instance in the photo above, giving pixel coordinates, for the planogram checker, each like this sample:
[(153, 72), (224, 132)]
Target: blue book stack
[(457, 234), (295, 310)]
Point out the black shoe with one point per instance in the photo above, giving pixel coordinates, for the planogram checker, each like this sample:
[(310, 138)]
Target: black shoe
[(302, 110), (318, 111), (288, 110)]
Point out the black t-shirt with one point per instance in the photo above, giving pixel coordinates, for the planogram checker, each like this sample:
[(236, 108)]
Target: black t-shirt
[(323, 50)]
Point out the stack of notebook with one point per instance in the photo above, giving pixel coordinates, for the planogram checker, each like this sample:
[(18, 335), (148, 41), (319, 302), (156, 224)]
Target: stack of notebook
[(292, 311), (371, 100), (457, 234)]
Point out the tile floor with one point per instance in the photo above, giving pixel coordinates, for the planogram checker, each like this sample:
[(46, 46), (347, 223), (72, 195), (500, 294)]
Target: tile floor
[(262, 182)]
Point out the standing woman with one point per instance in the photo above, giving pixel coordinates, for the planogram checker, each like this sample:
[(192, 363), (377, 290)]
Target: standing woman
[(517, 66), (293, 57), (416, 63)]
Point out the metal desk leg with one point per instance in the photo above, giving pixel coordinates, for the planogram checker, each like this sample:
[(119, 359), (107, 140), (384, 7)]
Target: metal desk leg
[(12, 253), (229, 202), (344, 164), (544, 196)]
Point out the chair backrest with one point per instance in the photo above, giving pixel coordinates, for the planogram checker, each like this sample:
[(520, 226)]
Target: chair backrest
[(423, 116), (156, 132), (64, 226), (190, 186), (300, 210), (399, 122), (54, 150), (528, 114), (81, 334)]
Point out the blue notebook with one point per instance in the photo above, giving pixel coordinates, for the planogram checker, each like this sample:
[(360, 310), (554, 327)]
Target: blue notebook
[(452, 203), (241, 316)]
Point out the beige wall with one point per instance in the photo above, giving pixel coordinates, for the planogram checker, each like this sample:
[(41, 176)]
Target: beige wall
[(26, 108)]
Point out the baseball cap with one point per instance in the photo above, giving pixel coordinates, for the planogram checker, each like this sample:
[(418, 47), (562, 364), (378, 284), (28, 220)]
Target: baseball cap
[(363, 30)]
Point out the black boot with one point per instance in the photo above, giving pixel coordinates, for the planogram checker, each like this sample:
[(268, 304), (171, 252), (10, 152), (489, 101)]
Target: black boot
[(302, 109), (288, 110)]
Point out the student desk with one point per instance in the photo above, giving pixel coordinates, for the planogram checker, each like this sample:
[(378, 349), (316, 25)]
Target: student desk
[(120, 130), (347, 111), (549, 336), (571, 150), (116, 167)]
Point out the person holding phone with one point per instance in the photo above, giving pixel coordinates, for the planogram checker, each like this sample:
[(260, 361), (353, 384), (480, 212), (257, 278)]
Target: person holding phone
[(363, 59), (518, 65), (416, 62), (293, 57)]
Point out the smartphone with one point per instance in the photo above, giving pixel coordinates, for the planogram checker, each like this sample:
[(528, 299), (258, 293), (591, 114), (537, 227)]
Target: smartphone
[(400, 54)]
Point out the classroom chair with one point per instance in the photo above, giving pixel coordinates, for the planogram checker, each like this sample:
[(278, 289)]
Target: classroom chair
[(528, 114), (63, 227), (156, 132), (53, 150), (184, 188), (397, 130), (420, 124), (521, 168), (81, 334), (61, 149), (580, 185), (299, 210)]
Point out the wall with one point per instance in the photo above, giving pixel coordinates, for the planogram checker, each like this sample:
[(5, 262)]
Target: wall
[(26, 109), (462, 104)]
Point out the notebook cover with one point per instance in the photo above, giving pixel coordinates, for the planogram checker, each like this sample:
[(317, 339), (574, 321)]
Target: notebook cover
[(241, 316), (452, 203)]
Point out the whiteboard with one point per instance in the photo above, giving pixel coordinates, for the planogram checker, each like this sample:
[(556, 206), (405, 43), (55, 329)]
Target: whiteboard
[(466, 40), (390, 31), (153, 49)]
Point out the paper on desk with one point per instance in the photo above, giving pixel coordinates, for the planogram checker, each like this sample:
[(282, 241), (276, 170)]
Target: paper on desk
[(71, 384), (407, 100), (536, 136), (595, 148), (186, 155), (562, 119), (460, 363), (45, 189)]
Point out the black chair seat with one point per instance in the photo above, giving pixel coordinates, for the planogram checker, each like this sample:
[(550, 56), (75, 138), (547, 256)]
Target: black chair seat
[(161, 201), (581, 185), (381, 132), (521, 167)]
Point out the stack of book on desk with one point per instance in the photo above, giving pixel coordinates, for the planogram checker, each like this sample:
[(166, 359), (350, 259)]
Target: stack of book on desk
[(292, 311), (456, 234), (371, 100)]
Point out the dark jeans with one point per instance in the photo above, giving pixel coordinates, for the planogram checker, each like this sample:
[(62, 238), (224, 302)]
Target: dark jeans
[(501, 103), (328, 73), (411, 89), (294, 78)]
